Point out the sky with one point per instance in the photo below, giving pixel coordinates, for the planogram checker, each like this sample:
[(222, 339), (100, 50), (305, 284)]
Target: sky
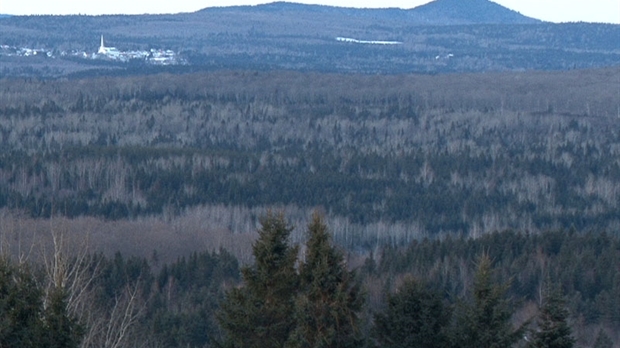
[(604, 11)]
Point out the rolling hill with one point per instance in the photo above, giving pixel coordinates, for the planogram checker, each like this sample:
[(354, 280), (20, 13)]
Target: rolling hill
[(438, 12), (442, 36), (450, 12)]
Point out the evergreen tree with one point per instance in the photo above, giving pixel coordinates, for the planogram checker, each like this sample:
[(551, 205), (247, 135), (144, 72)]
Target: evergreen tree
[(415, 317), (23, 320), (61, 329), (603, 340), (20, 307), (260, 313), (329, 300), (485, 323), (553, 329)]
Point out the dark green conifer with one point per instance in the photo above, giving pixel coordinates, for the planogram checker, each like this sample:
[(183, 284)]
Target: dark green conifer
[(61, 329), (603, 340), (24, 322), (260, 313), (553, 329), (329, 299), (20, 307), (485, 322), (415, 317)]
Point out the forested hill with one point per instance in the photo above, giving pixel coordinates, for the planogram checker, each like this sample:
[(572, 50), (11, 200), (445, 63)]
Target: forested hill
[(440, 37), (422, 155), (438, 12), (469, 12)]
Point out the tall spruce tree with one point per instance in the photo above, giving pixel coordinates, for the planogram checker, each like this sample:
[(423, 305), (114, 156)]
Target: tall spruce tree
[(21, 307), (24, 322), (259, 314), (329, 299), (415, 317), (603, 340), (553, 329), (485, 322), (61, 329)]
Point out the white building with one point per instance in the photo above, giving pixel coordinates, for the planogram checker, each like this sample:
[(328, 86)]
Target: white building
[(107, 51)]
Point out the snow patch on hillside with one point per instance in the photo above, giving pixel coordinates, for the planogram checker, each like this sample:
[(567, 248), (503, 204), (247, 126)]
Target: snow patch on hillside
[(346, 39)]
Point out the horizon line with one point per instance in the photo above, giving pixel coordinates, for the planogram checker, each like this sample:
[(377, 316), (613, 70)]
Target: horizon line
[(164, 13)]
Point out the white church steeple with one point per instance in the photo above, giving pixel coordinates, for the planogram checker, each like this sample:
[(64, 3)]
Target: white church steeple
[(102, 48)]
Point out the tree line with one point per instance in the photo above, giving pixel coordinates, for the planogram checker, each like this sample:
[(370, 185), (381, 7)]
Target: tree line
[(240, 38), (507, 289), (432, 151)]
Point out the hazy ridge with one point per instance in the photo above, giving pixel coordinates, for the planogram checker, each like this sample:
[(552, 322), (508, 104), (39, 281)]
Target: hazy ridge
[(444, 36)]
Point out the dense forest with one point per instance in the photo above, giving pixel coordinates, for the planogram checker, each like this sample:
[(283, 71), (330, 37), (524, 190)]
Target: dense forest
[(150, 209), (430, 291), (409, 156)]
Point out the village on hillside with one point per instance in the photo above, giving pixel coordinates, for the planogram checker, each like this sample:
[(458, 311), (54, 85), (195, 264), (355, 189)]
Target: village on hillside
[(151, 56)]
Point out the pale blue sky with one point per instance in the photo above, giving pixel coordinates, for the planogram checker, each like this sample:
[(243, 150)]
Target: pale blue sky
[(607, 11)]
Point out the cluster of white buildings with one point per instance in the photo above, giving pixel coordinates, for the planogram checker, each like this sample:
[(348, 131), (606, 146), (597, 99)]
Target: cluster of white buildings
[(152, 56), (10, 51)]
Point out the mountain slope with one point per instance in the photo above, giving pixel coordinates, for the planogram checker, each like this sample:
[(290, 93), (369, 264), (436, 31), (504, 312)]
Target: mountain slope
[(439, 12), (447, 12), (482, 37)]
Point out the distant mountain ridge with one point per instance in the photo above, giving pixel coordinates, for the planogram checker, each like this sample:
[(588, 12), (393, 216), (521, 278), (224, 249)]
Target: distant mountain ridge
[(438, 12), (471, 12), (444, 36)]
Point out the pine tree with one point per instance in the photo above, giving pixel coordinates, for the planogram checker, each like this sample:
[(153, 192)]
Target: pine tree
[(553, 329), (485, 323), (603, 340), (329, 301), (61, 329), (415, 317), (20, 307), (260, 313)]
